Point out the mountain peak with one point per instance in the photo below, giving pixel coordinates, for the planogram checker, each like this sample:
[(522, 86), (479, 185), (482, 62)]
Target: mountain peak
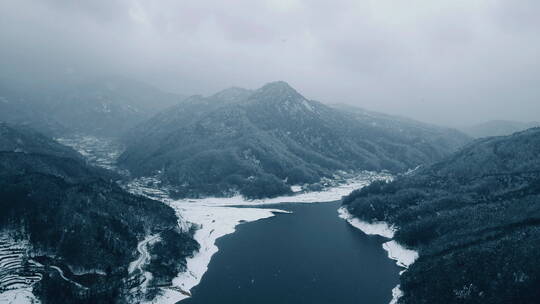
[(278, 86), (278, 91), (232, 94)]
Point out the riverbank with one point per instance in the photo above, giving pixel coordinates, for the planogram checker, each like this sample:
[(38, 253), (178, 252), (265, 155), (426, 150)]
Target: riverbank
[(307, 256), (404, 257), (215, 217)]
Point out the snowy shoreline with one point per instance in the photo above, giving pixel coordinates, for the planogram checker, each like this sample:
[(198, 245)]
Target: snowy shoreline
[(216, 217), (214, 222), (404, 257)]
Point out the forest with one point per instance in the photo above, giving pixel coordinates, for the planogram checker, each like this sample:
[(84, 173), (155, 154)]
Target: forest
[(78, 218), (475, 216)]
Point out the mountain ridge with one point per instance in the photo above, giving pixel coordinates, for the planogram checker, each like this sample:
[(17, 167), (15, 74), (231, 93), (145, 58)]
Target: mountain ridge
[(273, 134)]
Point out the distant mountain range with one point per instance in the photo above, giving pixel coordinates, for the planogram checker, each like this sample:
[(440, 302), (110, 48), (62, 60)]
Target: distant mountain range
[(261, 142), (474, 217), (106, 106), (77, 218), (498, 128)]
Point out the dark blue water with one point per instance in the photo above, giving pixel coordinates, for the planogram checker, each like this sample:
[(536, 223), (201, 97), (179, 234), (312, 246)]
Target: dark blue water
[(310, 256)]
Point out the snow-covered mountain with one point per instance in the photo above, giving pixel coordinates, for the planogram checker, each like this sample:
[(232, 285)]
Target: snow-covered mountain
[(261, 142)]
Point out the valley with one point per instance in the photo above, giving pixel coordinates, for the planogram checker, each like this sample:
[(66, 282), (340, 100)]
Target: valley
[(269, 152), (169, 262), (179, 244), (213, 218)]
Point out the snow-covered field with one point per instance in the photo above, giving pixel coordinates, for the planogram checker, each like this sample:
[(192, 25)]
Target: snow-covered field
[(404, 257), (16, 280)]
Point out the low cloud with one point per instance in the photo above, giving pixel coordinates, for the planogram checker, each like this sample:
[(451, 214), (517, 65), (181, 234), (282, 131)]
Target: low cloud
[(449, 62)]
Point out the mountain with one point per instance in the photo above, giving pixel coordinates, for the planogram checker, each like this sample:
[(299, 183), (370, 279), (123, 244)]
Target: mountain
[(18, 106), (106, 106), (400, 128), (76, 218), (26, 140), (474, 216), (498, 128), (261, 142), (109, 106)]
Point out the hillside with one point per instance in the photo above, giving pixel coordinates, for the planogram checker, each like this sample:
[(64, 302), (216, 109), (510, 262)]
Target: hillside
[(25, 140), (440, 138), (498, 128), (475, 216), (261, 142), (76, 218), (106, 106), (18, 105)]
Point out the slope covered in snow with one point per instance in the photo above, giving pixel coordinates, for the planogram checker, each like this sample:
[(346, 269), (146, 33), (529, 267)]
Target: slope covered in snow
[(18, 274)]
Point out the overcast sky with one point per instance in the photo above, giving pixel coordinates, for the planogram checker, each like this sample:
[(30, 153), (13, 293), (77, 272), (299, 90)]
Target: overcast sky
[(448, 62)]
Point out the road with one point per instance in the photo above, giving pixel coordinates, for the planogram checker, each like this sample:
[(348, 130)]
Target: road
[(61, 272), (144, 256)]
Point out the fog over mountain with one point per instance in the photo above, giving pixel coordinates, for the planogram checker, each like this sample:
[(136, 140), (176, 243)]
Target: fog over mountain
[(270, 151), (498, 128), (448, 62)]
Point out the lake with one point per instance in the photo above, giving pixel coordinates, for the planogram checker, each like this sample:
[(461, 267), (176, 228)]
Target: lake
[(309, 256)]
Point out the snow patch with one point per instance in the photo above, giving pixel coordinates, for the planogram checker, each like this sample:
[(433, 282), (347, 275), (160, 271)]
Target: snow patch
[(330, 194), (404, 257), (296, 188), (376, 228), (396, 294), (18, 296)]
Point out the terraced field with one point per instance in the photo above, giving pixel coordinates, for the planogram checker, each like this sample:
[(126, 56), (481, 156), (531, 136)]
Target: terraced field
[(18, 273)]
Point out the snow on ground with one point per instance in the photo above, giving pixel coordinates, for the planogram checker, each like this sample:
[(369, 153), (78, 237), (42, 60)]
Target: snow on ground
[(396, 294), (150, 187), (16, 280), (404, 257), (296, 188), (214, 222), (376, 228), (143, 260), (101, 152), (18, 296)]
